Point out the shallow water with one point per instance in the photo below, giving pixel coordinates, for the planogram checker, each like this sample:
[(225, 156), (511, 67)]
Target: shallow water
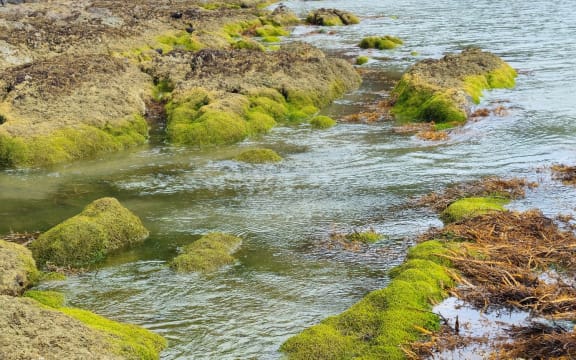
[(351, 177)]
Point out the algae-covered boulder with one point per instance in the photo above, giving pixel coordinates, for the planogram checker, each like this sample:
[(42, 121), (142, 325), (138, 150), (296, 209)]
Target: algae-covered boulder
[(223, 96), (103, 226), (385, 42), (442, 90), (471, 207), (17, 268), (258, 156), (331, 17), (208, 253)]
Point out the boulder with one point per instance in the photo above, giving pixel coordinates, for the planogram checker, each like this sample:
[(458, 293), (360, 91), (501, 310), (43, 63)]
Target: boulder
[(103, 226), (17, 268)]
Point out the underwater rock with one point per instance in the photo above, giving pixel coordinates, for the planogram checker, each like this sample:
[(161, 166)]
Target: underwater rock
[(442, 90), (258, 156), (103, 226), (331, 17), (17, 268), (208, 253)]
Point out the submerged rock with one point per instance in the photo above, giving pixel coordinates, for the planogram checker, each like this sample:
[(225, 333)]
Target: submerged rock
[(442, 91), (208, 253), (17, 269), (258, 156), (103, 226)]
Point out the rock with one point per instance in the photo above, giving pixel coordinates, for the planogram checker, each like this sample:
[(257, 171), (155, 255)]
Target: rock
[(103, 226), (17, 269), (258, 156), (32, 332), (442, 90), (208, 253), (331, 17)]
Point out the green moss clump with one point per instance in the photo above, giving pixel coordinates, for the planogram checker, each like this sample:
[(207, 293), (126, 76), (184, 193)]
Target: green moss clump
[(500, 78), (470, 207), (258, 156), (271, 30), (259, 123), (180, 40), (361, 60), (162, 89), (368, 236), (377, 326), (207, 253), (103, 226), (247, 43), (322, 122), (386, 42), (129, 341), (52, 276), (17, 269), (331, 17)]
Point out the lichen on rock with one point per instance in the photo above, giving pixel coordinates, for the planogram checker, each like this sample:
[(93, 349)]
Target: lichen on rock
[(103, 226), (17, 268), (442, 90), (208, 253)]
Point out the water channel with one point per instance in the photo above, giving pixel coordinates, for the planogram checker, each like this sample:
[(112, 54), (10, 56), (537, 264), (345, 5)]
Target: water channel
[(351, 177)]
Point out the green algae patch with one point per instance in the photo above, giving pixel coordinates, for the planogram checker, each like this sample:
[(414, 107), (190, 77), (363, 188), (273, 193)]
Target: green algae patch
[(385, 42), (471, 207), (259, 156), (179, 40), (361, 60), (17, 269), (322, 122), (128, 341), (442, 90), (367, 237), (103, 226), (378, 326), (331, 17), (206, 254)]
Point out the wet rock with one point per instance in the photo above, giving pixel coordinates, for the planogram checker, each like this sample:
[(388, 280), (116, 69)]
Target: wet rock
[(442, 90), (31, 332), (103, 226), (17, 269), (208, 253), (331, 17)]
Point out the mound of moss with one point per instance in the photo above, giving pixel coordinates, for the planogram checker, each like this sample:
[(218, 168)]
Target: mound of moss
[(208, 253), (322, 122), (473, 206), (361, 60), (17, 269), (122, 340), (103, 226), (377, 326), (258, 156), (386, 42), (442, 90), (331, 17)]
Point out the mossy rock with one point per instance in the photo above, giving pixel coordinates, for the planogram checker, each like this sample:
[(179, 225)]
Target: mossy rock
[(322, 122), (378, 325), (103, 226), (259, 156), (442, 91), (17, 269), (206, 254), (127, 341), (386, 42), (471, 207), (361, 60), (367, 237), (331, 17)]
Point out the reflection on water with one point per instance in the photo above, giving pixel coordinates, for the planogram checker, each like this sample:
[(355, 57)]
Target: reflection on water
[(350, 176)]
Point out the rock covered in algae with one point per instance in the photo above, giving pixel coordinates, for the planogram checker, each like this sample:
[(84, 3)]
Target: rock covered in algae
[(258, 156), (223, 96), (442, 90), (471, 207), (331, 17), (208, 253), (17, 268), (103, 226), (385, 42)]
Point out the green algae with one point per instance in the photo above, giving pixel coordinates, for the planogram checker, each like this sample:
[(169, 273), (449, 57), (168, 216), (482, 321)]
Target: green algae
[(103, 226), (258, 156), (126, 340), (331, 17), (179, 40), (472, 206), (377, 326), (322, 122), (361, 60), (367, 237), (249, 44), (17, 268), (386, 42), (64, 145), (206, 254)]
